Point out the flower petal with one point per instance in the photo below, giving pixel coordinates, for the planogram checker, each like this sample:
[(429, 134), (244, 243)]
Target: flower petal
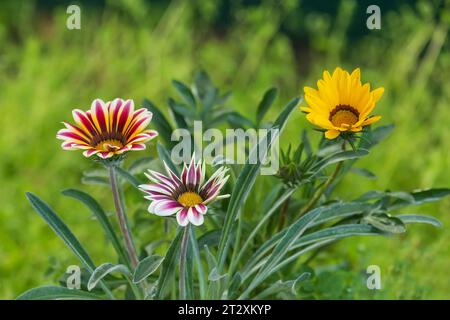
[(331, 134), (167, 207), (195, 217), (182, 217)]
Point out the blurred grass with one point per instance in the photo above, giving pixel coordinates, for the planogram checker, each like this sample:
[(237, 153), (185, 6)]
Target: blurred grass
[(133, 50)]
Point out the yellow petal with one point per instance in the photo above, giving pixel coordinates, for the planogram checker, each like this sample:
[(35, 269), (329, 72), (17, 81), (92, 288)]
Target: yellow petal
[(331, 134), (306, 109), (377, 94), (371, 120), (356, 74)]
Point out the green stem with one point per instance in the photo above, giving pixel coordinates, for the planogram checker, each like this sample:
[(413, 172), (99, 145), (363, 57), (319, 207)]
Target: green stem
[(183, 254), (283, 213), (324, 188), (321, 191), (129, 245)]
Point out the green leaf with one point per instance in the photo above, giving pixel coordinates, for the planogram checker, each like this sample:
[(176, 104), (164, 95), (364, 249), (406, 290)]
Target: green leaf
[(103, 270), (364, 173), (419, 218), (244, 185), (210, 238), (341, 210), (146, 267), (266, 102), (326, 213), (336, 233), (338, 157), (185, 93), (424, 196), (95, 181), (385, 222), (282, 247), (375, 136), (57, 293), (60, 228), (183, 111), (234, 286), (307, 143), (179, 118), (215, 276), (169, 265), (237, 120), (194, 246), (164, 155), (129, 177), (202, 83), (101, 216), (159, 121), (271, 210), (282, 286), (140, 165)]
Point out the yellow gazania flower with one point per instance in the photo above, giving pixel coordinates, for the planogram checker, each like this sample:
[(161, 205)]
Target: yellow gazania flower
[(107, 129), (341, 103)]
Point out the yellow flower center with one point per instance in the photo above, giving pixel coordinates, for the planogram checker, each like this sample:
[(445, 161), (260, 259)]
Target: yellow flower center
[(109, 145), (344, 116), (190, 199)]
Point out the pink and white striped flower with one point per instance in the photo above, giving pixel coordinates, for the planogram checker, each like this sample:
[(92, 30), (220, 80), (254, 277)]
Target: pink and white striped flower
[(186, 196), (107, 129)]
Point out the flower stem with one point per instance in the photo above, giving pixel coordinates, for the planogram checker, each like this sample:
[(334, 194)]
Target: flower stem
[(183, 254), (283, 213), (324, 188), (129, 245)]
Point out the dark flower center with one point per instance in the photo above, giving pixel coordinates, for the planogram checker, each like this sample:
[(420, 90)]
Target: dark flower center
[(344, 115)]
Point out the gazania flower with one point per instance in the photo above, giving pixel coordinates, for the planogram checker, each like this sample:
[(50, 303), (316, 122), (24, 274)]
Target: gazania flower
[(107, 129), (187, 196), (341, 103)]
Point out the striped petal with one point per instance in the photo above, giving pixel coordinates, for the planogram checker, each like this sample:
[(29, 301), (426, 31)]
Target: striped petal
[(195, 217), (182, 217), (167, 207)]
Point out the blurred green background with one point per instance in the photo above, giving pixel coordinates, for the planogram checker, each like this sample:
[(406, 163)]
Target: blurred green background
[(133, 49)]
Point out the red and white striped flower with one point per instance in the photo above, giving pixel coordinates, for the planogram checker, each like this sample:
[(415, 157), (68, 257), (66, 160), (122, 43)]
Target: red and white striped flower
[(107, 129), (187, 196)]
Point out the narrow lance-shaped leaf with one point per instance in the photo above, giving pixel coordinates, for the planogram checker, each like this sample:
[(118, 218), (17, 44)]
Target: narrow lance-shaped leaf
[(423, 196), (103, 270), (146, 267), (129, 177), (185, 93), (266, 102), (244, 184), (60, 228), (281, 249), (169, 264), (102, 218), (57, 293), (338, 157), (164, 155), (419, 218), (198, 263), (159, 121)]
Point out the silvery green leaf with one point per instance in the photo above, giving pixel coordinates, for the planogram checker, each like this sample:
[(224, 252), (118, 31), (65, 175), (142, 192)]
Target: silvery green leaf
[(385, 222), (215, 276), (419, 218), (61, 229), (146, 267), (103, 270), (57, 293)]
